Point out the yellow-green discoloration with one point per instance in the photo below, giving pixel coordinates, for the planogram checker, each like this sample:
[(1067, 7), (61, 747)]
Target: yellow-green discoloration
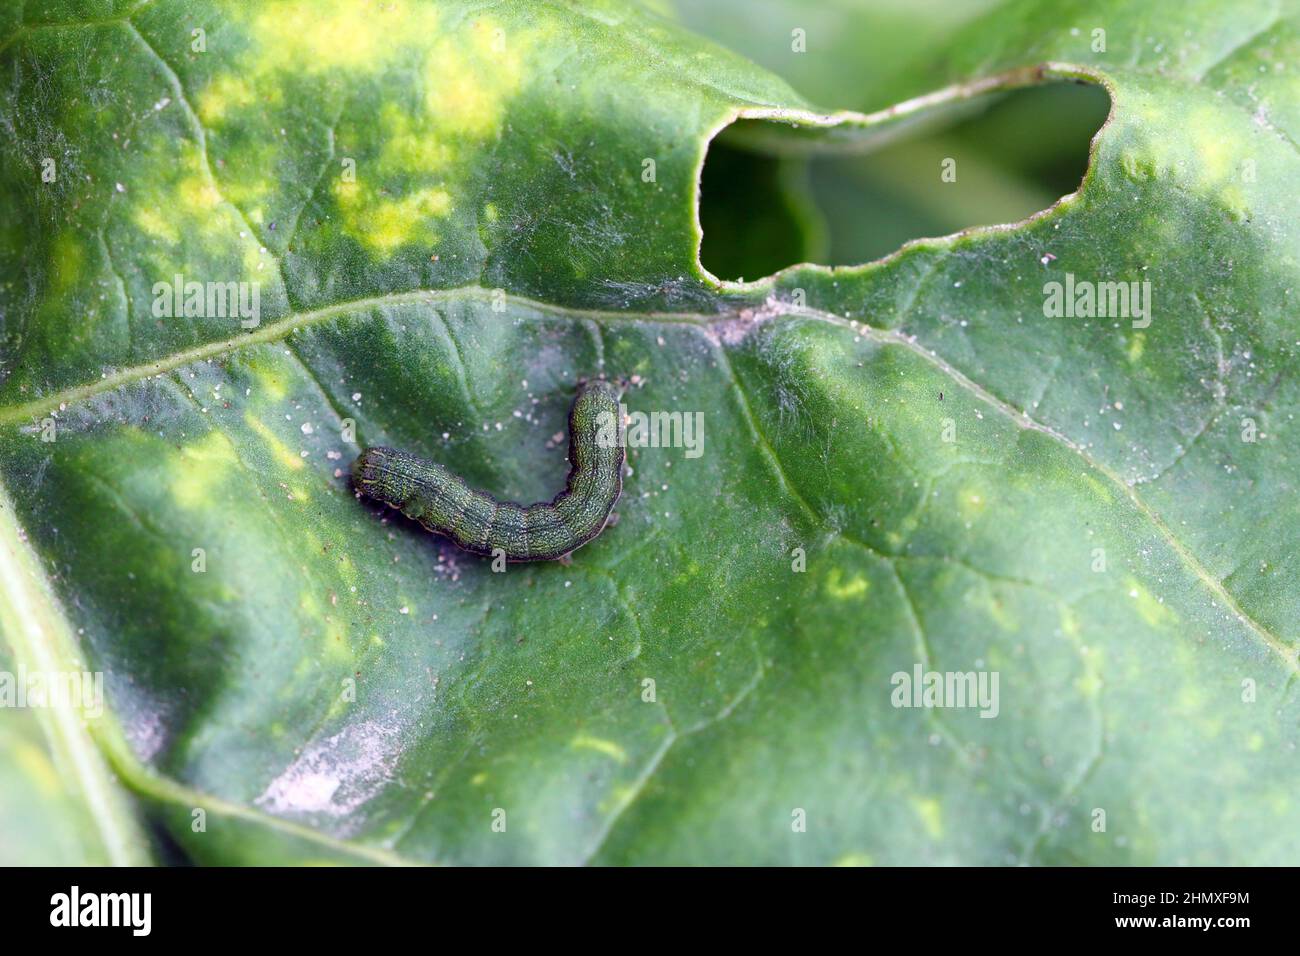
[(152, 222), (283, 455), (855, 859), (384, 224), (409, 160), (331, 35), (68, 256), (931, 813), (1090, 682), (842, 590), (1154, 612), (971, 502), (469, 75), (228, 92), (1098, 488), (1209, 158), (607, 747), (1217, 149), (36, 766), (203, 467)]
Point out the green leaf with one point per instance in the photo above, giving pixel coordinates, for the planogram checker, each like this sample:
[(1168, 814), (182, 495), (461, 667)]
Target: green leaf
[(293, 675), (59, 802)]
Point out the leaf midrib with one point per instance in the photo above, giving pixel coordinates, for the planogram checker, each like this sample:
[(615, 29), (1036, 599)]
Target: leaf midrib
[(40, 637), (286, 326)]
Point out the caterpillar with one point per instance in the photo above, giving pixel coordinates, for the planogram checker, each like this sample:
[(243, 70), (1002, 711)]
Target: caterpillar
[(476, 521)]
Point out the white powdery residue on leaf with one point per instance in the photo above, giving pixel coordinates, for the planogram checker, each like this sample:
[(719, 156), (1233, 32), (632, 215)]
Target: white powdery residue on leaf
[(146, 731), (733, 328), (337, 775)]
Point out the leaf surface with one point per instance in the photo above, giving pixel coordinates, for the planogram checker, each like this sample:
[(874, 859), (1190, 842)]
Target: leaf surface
[(447, 211)]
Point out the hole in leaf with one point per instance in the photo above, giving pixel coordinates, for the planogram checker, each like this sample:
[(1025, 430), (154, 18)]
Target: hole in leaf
[(767, 201)]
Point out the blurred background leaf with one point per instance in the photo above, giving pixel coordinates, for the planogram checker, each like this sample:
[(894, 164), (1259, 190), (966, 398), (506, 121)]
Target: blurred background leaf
[(1015, 152)]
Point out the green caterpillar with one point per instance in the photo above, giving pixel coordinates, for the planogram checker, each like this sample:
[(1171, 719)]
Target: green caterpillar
[(476, 521)]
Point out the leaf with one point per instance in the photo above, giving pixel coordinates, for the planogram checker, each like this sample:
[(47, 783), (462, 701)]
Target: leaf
[(855, 54), (325, 682), (58, 800)]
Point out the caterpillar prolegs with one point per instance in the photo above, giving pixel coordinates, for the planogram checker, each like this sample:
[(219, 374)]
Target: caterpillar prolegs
[(478, 522)]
